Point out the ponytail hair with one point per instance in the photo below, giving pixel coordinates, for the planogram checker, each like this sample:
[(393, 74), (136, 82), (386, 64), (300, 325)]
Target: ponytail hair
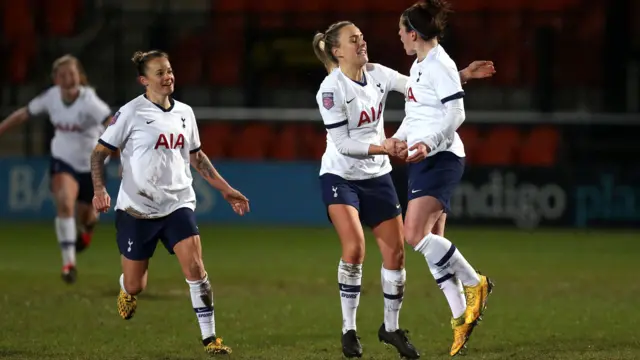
[(323, 44)]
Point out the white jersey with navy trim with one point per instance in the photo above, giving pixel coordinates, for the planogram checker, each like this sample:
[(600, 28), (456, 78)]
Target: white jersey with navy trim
[(77, 125), (359, 107), (432, 83), (155, 146)]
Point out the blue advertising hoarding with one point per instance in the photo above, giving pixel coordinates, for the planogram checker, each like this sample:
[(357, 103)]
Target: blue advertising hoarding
[(279, 193)]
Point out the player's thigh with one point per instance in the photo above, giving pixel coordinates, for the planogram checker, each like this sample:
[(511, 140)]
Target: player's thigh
[(390, 239), (181, 236), (64, 188), (137, 238), (135, 274), (439, 226), (346, 221), (86, 211), (341, 197), (422, 214), (431, 186)]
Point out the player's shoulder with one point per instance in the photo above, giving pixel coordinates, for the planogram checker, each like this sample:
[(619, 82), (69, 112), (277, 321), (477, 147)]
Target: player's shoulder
[(375, 68), (182, 108), (51, 93), (331, 81), (129, 110), (440, 61)]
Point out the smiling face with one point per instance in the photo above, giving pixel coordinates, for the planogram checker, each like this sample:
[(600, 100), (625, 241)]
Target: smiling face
[(158, 76), (351, 49), (67, 76)]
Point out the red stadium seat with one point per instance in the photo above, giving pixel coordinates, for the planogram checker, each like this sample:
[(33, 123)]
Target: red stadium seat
[(499, 147), (253, 143), (540, 147), (215, 138), (285, 145)]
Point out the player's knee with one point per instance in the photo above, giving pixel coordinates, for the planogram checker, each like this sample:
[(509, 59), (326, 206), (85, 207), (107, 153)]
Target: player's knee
[(353, 253), (393, 259), (413, 234), (65, 206), (194, 270), (134, 286)]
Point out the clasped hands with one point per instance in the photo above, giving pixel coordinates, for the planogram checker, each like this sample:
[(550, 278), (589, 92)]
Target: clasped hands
[(400, 149)]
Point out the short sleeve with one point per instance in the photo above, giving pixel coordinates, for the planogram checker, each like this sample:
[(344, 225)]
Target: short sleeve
[(194, 137), (117, 131), (446, 82), (395, 81), (39, 104), (331, 104), (97, 109)]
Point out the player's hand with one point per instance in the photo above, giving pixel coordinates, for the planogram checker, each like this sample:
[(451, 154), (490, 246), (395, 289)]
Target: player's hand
[(101, 201), (479, 69), (239, 203), (421, 152), (395, 147)]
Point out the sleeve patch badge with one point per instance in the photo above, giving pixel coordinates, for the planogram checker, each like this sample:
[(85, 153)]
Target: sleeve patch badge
[(327, 100)]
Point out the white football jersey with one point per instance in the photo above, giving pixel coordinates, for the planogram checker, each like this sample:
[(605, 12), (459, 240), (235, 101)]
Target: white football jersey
[(77, 125), (155, 146), (432, 82), (360, 107)]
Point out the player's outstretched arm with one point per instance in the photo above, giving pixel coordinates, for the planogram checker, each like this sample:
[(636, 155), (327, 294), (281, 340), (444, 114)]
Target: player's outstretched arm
[(478, 69), (101, 199), (17, 117), (200, 161)]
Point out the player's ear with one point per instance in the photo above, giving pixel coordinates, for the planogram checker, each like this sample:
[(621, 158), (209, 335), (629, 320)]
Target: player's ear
[(143, 80)]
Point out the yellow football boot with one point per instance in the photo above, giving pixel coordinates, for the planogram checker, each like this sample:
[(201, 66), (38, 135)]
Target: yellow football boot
[(214, 346), (477, 299), (127, 305), (461, 333)]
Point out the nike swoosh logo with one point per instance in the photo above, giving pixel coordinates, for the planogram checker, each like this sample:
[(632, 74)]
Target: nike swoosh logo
[(348, 288), (149, 122), (350, 100), (415, 191)]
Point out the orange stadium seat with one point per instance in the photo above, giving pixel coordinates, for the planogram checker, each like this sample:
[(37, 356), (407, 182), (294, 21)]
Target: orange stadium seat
[(471, 139), (253, 143), (215, 138), (499, 146), (285, 144), (540, 147)]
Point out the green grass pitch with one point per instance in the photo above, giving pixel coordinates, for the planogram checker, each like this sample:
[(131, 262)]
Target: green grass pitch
[(559, 294)]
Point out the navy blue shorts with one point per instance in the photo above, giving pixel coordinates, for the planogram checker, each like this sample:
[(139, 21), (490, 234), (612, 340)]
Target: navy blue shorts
[(375, 199), (436, 176), (137, 238), (85, 184)]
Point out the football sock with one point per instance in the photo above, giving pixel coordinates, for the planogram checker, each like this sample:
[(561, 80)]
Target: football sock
[(393, 289), (202, 301), (442, 254), (349, 282), (66, 233), (453, 292)]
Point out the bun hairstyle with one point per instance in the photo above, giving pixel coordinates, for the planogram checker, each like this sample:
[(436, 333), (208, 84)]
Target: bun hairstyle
[(428, 18), (141, 58), (323, 44), (70, 59)]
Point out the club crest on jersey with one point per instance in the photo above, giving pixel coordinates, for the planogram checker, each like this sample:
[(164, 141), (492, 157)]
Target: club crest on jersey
[(114, 118), (327, 100)]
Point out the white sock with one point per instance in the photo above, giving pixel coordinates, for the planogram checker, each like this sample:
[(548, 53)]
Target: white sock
[(122, 284), (66, 233), (393, 289), (453, 292), (441, 253), (349, 282), (202, 301)]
